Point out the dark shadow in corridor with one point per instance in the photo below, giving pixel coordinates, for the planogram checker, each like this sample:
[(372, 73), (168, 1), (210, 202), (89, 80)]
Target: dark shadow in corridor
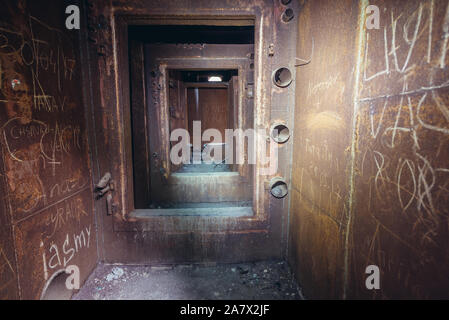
[(248, 281)]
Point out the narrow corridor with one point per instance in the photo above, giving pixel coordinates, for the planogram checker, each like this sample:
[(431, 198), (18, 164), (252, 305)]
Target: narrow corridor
[(266, 149)]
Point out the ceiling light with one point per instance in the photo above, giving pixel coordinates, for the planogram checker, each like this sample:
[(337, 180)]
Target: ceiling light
[(214, 79)]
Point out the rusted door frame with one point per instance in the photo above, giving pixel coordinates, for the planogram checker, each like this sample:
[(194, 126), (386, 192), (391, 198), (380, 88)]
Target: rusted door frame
[(162, 147), (271, 214), (260, 117)]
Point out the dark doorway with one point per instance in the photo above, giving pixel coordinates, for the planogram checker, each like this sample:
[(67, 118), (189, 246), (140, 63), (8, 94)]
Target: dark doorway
[(179, 79)]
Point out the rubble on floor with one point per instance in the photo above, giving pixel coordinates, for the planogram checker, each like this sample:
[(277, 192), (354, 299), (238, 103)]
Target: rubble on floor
[(247, 281)]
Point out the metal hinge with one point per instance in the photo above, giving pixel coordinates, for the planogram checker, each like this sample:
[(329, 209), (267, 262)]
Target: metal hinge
[(103, 187)]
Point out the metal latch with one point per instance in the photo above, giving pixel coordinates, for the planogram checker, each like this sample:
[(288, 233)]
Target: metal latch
[(103, 187)]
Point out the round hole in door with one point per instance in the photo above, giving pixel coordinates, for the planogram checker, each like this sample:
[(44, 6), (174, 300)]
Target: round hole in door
[(285, 2), (287, 15), (282, 77), (278, 187), (280, 133), (55, 288)]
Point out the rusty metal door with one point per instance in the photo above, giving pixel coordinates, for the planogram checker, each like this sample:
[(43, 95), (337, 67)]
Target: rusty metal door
[(46, 216), (135, 235)]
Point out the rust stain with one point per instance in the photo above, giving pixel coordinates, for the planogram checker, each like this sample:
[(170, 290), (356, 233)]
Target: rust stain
[(326, 120), (396, 187), (44, 145)]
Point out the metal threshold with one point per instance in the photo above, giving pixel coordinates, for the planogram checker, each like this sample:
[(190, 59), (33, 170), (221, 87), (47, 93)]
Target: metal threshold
[(199, 209)]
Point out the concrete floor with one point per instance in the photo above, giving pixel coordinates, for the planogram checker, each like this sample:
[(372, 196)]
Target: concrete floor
[(204, 168), (249, 281)]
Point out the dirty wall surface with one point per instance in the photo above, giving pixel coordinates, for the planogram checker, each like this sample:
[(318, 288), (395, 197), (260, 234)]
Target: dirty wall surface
[(46, 216), (372, 124)]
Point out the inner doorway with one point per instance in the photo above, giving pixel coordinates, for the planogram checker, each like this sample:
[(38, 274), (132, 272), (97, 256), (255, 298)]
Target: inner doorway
[(195, 87), (204, 98)]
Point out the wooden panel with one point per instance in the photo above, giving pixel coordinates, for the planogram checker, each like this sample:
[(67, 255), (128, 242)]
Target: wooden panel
[(210, 106), (44, 142), (214, 109)]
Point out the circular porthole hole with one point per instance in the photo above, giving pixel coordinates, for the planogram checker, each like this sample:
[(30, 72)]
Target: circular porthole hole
[(285, 2), (280, 133), (282, 77), (278, 187), (55, 288), (288, 15)]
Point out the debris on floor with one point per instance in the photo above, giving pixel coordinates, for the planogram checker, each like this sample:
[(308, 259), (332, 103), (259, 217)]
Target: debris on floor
[(247, 281), (115, 274)]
